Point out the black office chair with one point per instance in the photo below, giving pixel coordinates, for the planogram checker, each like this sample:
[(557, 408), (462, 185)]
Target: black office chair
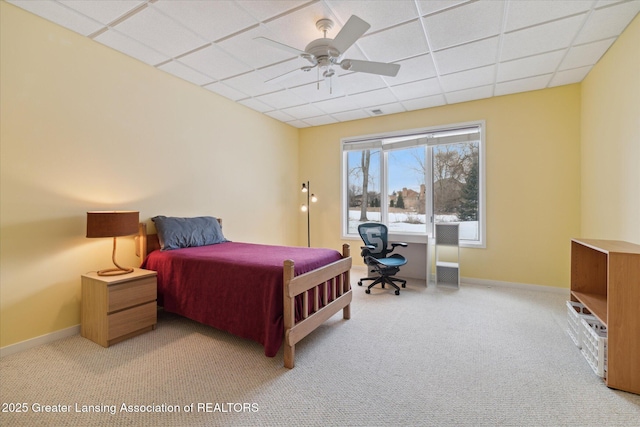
[(376, 255)]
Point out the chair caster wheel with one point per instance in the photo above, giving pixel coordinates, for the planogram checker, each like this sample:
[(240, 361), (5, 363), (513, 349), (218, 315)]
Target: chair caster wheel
[(367, 291), (397, 292), (404, 285), (360, 283)]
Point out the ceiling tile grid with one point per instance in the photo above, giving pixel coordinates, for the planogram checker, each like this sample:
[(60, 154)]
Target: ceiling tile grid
[(449, 51)]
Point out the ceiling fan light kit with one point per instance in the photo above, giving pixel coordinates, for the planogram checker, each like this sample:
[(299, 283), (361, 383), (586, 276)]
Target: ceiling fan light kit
[(325, 53)]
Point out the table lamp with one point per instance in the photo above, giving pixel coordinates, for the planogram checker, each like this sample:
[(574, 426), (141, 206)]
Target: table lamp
[(113, 224)]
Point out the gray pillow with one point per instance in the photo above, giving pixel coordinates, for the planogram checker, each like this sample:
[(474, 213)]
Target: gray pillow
[(176, 233)]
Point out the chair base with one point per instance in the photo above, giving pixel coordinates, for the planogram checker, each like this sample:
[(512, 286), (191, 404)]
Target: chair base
[(389, 280)]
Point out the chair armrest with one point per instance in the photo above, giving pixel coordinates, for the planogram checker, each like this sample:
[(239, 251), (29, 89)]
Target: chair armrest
[(370, 247), (396, 244)]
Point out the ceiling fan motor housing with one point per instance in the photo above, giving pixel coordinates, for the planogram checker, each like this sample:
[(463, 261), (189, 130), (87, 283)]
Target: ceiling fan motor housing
[(323, 51)]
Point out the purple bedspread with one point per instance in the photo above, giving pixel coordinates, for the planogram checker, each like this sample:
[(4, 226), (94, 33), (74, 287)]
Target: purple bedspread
[(236, 287)]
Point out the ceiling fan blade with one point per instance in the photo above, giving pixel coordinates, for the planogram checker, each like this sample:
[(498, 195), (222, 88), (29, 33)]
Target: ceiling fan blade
[(350, 33), (281, 46), (382, 68), (288, 74)]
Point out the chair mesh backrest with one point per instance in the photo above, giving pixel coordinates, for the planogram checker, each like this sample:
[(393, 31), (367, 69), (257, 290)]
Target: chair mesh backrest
[(374, 234)]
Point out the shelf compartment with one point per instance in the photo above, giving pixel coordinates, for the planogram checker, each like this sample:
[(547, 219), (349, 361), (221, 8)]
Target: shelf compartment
[(595, 303)]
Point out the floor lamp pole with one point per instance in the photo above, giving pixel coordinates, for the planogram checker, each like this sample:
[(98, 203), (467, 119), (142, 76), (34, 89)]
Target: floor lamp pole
[(308, 217)]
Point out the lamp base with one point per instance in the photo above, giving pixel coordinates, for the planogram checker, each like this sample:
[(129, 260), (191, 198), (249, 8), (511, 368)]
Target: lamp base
[(115, 271)]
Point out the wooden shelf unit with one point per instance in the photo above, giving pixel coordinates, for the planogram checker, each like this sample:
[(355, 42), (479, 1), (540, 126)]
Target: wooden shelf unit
[(605, 278)]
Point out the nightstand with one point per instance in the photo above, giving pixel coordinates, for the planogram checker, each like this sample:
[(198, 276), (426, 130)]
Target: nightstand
[(115, 308)]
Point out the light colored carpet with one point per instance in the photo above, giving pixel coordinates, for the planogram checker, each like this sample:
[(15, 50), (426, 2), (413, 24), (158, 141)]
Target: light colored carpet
[(477, 356)]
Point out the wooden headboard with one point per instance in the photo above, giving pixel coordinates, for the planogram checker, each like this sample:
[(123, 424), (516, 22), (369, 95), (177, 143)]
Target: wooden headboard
[(147, 243)]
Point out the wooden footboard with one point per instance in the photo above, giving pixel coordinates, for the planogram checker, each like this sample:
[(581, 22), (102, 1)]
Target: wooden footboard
[(330, 284)]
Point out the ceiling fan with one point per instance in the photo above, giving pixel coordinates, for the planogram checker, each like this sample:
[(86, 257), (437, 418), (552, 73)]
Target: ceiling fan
[(325, 53)]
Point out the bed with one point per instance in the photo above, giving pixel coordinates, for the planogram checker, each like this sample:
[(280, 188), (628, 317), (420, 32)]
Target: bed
[(274, 295)]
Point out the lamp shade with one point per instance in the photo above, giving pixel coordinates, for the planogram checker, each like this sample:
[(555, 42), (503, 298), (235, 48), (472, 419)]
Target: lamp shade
[(112, 223)]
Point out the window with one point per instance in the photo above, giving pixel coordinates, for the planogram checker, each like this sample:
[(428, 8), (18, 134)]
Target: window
[(412, 179)]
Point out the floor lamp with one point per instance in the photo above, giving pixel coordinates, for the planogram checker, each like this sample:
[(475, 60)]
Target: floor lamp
[(307, 208)]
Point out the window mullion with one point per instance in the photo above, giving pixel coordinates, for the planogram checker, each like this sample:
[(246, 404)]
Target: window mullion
[(428, 180), (384, 193)]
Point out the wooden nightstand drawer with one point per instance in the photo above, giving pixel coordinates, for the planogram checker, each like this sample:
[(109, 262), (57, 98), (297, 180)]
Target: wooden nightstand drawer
[(115, 308), (126, 321), (128, 294)]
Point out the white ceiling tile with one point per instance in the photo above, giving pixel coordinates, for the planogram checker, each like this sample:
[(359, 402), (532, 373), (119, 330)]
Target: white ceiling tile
[(379, 14), (471, 21), (417, 68), (419, 89), (251, 84), (391, 108), (254, 104), (426, 102), (103, 11), (543, 38), (522, 85), (303, 111), (298, 28), (337, 105), (314, 92), (160, 32), (288, 74), (61, 15), (279, 115), (401, 42), (608, 22), (432, 6), (130, 47), (298, 124), (263, 10), (587, 54), (346, 116), (530, 66), (320, 120), (282, 99), (224, 90), (214, 62), (465, 57), (210, 19), (566, 77), (374, 98), (184, 72), (469, 94), (468, 79), (253, 52), (360, 82), (526, 13), (177, 37)]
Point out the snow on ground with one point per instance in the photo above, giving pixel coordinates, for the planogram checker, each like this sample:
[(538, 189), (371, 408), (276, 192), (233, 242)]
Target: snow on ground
[(401, 222)]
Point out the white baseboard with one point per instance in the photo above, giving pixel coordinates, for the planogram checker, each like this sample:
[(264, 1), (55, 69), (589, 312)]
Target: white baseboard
[(526, 286), (42, 339), (485, 282)]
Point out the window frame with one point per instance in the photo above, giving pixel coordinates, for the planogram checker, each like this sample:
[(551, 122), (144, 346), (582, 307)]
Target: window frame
[(405, 134)]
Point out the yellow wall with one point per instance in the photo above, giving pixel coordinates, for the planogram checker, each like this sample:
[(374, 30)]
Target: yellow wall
[(532, 180), (84, 127), (611, 142)]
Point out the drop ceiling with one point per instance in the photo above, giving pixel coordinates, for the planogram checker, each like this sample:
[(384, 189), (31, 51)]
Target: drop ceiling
[(450, 51)]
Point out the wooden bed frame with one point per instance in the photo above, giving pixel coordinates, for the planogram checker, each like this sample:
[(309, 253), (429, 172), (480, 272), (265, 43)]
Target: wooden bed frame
[(331, 280)]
